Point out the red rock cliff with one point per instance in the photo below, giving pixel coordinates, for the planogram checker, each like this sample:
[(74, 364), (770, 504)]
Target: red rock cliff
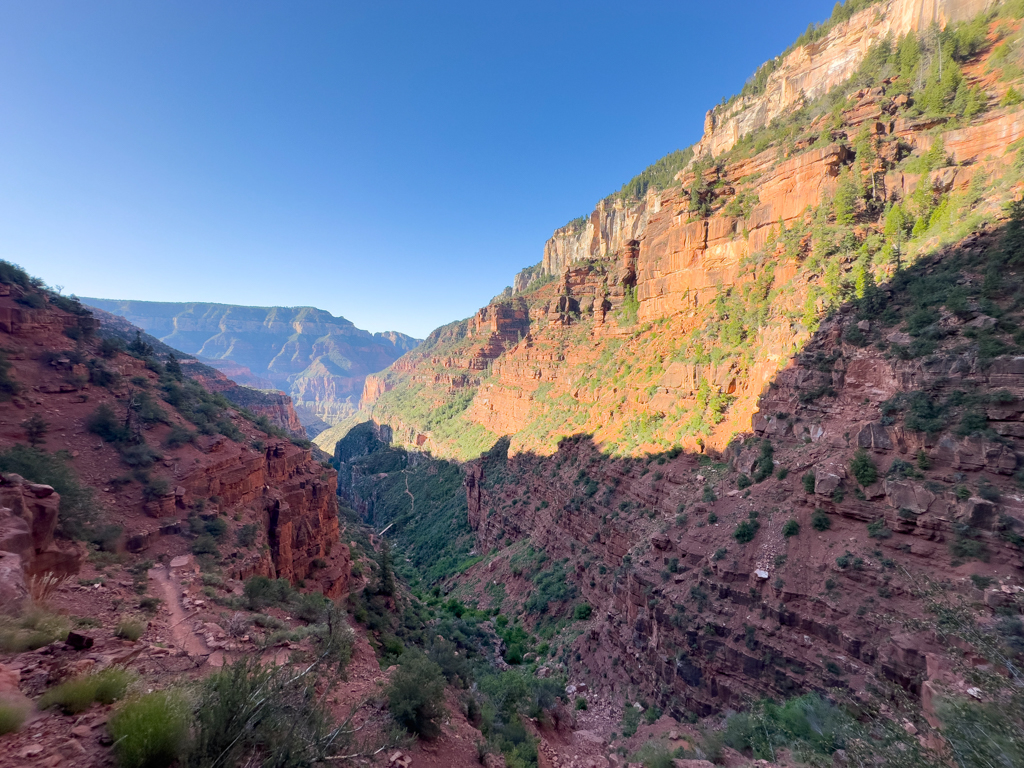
[(59, 374)]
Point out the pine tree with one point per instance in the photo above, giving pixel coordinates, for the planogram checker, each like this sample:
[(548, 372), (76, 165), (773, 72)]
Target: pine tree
[(386, 585), (35, 429), (173, 367), (846, 198), (867, 160), (139, 347), (863, 279)]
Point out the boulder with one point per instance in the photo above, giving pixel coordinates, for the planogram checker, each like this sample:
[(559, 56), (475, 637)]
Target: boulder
[(904, 494), (36, 504), (874, 436), (980, 513), (828, 477), (1007, 372), (79, 642), (982, 322)]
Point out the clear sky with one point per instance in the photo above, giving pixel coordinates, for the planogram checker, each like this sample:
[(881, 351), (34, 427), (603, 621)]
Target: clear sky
[(392, 162)]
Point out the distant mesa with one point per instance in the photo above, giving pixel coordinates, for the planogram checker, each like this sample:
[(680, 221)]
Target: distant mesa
[(320, 360)]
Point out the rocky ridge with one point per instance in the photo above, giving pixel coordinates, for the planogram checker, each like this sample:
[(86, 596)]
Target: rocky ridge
[(254, 478), (320, 360)]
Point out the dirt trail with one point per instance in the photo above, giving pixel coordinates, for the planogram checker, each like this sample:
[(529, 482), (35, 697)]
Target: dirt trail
[(181, 632), (412, 503)]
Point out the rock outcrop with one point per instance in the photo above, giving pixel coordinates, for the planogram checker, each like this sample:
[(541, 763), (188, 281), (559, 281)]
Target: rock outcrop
[(707, 595), (814, 69), (275, 405)]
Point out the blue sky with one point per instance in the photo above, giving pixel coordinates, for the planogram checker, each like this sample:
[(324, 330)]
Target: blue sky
[(392, 162)]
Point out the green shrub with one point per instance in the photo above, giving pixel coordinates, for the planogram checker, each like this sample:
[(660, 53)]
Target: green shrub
[(74, 696), (11, 717), (141, 455), (416, 695), (105, 423), (791, 528), (8, 386), (630, 720), (148, 411), (743, 482), (205, 545), (820, 521), (863, 468), (251, 714), (246, 535), (581, 703), (151, 731), (32, 630), (130, 630), (983, 734), (988, 491), (179, 436), (261, 592), (550, 586), (35, 429), (110, 347), (150, 604), (877, 530), (153, 487), (102, 376), (849, 560), (216, 527), (765, 464), (746, 531), (32, 301), (808, 482), (582, 612), (981, 582), (964, 548), (311, 607)]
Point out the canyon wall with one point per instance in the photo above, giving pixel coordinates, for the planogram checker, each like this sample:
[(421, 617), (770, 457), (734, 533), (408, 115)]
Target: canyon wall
[(679, 267), (814, 69), (782, 568), (320, 360), (804, 74), (145, 488), (276, 406)]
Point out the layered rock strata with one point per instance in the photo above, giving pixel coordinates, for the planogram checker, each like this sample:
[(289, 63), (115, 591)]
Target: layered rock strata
[(284, 500)]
